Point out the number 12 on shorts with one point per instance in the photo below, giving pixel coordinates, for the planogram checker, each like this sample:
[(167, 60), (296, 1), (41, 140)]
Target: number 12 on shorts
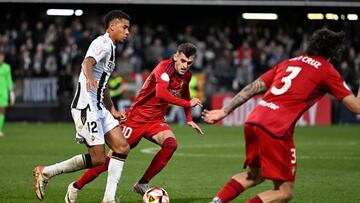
[(92, 127)]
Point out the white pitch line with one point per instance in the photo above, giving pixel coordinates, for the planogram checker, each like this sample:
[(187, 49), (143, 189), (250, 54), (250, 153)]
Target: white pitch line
[(154, 150)]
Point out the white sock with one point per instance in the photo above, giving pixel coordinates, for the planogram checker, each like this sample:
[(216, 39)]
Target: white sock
[(114, 173), (73, 164)]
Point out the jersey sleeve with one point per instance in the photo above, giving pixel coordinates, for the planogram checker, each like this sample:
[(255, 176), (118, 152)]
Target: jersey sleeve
[(162, 80), (268, 76), (98, 49), (336, 85), (185, 94)]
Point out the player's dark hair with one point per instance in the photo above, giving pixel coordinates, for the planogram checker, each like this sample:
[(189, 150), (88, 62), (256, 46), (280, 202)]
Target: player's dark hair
[(187, 48), (326, 43), (115, 14)]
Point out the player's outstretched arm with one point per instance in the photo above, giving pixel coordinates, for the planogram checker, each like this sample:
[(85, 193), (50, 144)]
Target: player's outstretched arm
[(245, 94), (353, 103), (196, 127)]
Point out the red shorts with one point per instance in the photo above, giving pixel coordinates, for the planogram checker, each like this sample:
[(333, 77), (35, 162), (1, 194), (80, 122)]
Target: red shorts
[(134, 131), (275, 156)]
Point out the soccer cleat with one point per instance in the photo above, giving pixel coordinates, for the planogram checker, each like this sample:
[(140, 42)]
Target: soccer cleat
[(216, 200), (141, 188), (40, 182), (71, 193)]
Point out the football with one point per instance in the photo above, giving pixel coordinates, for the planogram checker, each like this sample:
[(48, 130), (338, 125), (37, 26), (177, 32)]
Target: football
[(156, 195)]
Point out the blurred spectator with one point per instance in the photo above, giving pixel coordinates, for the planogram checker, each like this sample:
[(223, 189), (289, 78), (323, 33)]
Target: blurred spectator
[(224, 71), (124, 66), (154, 53)]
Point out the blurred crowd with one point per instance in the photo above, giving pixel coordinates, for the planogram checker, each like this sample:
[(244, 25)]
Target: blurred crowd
[(230, 55)]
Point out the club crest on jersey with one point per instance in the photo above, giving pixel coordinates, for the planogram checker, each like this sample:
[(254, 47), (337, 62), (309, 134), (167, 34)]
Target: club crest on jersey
[(165, 77)]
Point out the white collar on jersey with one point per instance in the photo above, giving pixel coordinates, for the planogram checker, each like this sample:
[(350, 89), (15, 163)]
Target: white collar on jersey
[(108, 37)]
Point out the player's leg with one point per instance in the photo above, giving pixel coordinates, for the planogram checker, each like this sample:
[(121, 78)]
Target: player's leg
[(282, 193), (166, 139), (120, 147), (92, 173), (237, 184), (44, 173), (96, 148), (89, 175), (278, 155), (132, 132), (2, 120)]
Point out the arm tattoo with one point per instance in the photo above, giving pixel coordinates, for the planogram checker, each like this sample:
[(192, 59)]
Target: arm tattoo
[(245, 94)]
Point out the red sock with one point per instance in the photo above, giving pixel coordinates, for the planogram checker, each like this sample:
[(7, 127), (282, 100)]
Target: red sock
[(231, 190), (161, 158), (90, 174), (255, 199)]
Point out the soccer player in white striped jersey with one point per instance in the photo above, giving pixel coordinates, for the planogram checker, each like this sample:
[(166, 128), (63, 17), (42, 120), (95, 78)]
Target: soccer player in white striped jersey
[(94, 114)]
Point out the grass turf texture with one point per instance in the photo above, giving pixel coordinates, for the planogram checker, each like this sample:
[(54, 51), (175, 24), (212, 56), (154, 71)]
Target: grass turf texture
[(328, 164)]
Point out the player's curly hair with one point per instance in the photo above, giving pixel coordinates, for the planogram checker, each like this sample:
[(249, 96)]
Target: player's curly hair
[(115, 14), (326, 43)]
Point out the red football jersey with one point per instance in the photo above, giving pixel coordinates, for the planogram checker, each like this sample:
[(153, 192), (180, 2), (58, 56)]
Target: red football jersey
[(163, 86), (294, 86)]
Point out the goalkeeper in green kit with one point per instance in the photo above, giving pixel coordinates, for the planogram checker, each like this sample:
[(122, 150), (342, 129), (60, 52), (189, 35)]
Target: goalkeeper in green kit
[(6, 90)]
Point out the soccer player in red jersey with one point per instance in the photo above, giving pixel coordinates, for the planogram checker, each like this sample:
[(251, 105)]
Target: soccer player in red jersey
[(167, 84), (291, 88)]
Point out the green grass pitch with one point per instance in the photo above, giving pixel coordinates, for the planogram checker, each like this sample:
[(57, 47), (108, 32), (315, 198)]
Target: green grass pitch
[(328, 164)]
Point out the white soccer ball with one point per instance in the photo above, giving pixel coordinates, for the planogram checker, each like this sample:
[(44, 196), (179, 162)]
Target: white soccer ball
[(156, 195)]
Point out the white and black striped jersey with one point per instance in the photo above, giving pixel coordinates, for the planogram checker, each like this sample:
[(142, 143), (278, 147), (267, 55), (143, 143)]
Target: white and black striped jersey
[(102, 50)]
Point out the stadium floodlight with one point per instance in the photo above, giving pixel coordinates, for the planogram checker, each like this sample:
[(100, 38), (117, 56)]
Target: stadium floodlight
[(260, 16), (352, 16), (79, 12), (315, 16), (331, 16), (60, 12)]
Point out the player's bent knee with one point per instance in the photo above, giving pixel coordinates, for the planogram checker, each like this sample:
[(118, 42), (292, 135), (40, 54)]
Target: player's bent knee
[(255, 177), (170, 143), (122, 148)]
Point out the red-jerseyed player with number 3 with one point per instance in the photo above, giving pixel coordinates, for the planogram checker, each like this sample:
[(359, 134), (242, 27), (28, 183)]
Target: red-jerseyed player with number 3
[(167, 84), (291, 88)]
